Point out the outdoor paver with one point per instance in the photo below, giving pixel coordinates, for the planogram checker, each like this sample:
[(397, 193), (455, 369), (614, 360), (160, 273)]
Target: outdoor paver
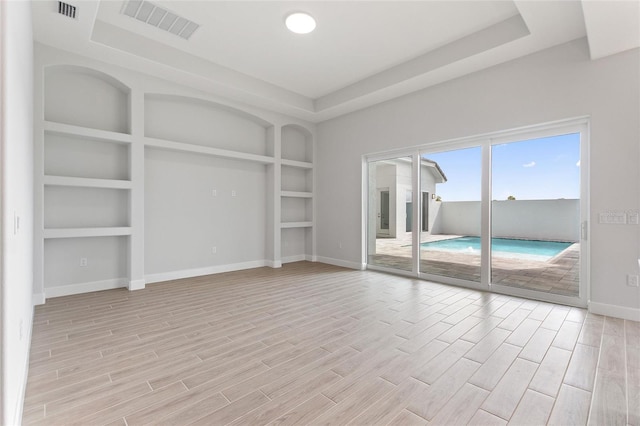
[(559, 275)]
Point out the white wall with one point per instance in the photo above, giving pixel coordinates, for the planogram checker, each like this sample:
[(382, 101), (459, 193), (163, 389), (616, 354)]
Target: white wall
[(551, 220), (17, 201), (458, 218), (428, 184), (403, 185), (558, 83), (183, 221)]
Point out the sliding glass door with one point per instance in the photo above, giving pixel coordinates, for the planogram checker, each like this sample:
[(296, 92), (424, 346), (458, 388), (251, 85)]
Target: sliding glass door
[(450, 238), (390, 207), (505, 213), (535, 214)]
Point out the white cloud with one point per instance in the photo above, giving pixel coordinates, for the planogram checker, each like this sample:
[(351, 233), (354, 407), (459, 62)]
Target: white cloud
[(531, 164), (578, 163)]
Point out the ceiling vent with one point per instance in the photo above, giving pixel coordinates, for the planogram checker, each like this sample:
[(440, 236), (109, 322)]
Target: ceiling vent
[(159, 17), (66, 9)]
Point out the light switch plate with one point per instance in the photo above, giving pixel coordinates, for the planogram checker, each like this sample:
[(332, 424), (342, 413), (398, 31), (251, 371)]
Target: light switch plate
[(616, 218)]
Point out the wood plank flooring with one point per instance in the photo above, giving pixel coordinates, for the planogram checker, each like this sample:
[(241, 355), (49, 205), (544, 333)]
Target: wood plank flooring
[(316, 344)]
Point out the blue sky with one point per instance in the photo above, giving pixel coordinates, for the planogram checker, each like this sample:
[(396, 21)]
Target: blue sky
[(536, 169)]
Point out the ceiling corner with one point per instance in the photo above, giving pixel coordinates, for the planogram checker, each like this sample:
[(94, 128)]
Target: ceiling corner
[(612, 26)]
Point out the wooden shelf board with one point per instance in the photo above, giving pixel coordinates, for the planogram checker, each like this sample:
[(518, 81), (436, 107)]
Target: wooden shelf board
[(296, 194), (299, 164), (86, 232), (86, 182), (199, 149), (288, 225), (96, 134)]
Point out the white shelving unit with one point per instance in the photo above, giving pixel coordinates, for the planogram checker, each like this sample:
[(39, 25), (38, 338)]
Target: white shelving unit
[(99, 137), (83, 181), (296, 194)]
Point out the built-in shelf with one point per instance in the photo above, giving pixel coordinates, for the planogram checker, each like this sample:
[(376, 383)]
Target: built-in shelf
[(91, 167), (86, 182), (87, 232), (199, 149), (300, 164), (287, 225), (85, 132), (296, 194)]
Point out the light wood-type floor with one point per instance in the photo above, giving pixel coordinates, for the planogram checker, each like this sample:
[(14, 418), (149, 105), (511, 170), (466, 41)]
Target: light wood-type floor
[(312, 344)]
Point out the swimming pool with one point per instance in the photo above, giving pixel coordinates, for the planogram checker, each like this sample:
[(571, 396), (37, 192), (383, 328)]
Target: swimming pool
[(502, 247)]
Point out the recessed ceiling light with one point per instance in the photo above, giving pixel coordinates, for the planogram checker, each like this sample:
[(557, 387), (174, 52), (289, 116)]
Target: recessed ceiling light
[(300, 23)]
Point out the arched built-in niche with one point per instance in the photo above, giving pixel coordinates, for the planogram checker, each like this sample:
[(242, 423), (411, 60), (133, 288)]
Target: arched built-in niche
[(201, 122), (297, 143), (85, 97)]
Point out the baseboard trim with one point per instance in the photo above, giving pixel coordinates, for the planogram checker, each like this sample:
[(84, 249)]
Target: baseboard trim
[(39, 299), (296, 258), (136, 284), (67, 290), (209, 270), (273, 263), (615, 311), (340, 262)]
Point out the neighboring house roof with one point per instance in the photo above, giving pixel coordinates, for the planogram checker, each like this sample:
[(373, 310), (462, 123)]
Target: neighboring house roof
[(436, 168)]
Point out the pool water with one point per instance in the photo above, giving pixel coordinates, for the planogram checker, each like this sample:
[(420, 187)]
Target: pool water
[(504, 247)]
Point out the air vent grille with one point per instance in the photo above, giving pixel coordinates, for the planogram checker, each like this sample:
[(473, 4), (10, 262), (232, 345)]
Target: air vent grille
[(66, 9), (159, 17)]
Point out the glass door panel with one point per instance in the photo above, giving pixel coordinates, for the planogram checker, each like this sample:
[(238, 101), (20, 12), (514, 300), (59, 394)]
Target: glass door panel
[(535, 225), (451, 213), (389, 236)]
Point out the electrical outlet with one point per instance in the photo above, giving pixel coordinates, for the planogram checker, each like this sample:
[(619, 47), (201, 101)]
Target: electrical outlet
[(214, 193), (632, 281), (233, 193), (214, 250), (83, 262)]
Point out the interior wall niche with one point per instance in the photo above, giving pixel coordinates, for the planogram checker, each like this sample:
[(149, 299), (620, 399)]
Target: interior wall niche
[(199, 122), (293, 243), (85, 97), (297, 144), (66, 155), (296, 209), (106, 259), (77, 207), (296, 179), (194, 203)]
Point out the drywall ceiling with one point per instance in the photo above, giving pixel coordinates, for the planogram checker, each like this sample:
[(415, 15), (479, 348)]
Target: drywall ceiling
[(361, 53)]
